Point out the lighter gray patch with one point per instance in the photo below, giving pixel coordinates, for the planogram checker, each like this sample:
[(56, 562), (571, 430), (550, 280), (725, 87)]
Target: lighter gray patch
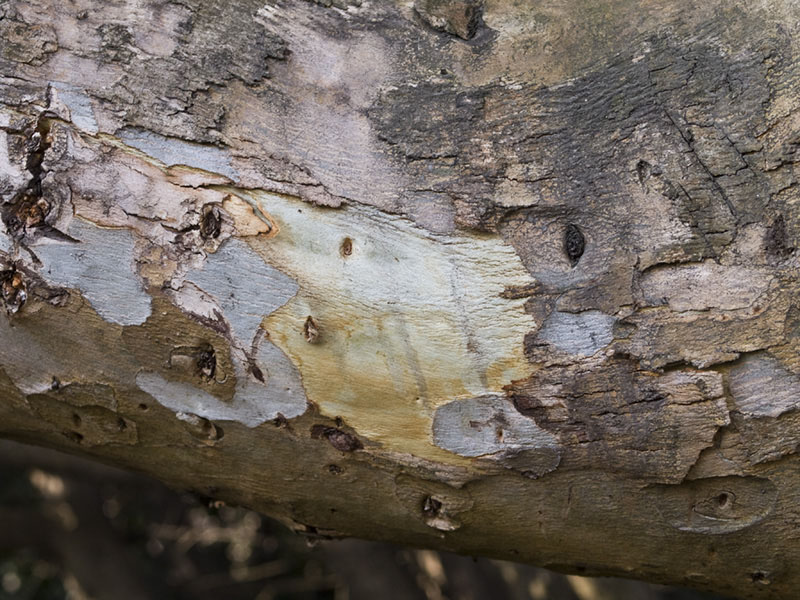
[(6, 245), (172, 151), (12, 176), (578, 333), (79, 105), (762, 387), (253, 403), (101, 266), (245, 287), (489, 427), (704, 286), (486, 425)]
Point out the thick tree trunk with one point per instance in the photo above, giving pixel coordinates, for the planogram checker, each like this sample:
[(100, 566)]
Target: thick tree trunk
[(506, 278)]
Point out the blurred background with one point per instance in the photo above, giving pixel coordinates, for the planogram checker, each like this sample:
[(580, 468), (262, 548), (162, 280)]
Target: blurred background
[(74, 529)]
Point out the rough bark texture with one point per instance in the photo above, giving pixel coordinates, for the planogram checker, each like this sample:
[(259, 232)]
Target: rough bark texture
[(506, 278)]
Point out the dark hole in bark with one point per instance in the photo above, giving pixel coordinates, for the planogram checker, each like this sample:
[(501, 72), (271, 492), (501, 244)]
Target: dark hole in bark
[(643, 170), (341, 440), (257, 373), (431, 506), (13, 290), (574, 243), (211, 223), (346, 248), (207, 362), (311, 330), (776, 240), (214, 431), (759, 577)]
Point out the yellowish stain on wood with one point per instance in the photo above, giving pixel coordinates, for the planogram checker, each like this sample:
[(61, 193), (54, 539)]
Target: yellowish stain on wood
[(406, 321)]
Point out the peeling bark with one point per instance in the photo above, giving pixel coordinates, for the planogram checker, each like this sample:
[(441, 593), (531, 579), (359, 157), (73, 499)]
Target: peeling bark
[(470, 275)]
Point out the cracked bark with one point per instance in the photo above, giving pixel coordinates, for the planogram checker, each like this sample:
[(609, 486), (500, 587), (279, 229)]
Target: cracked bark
[(468, 275)]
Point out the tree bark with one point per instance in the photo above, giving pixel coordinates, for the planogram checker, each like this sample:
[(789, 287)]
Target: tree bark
[(510, 279)]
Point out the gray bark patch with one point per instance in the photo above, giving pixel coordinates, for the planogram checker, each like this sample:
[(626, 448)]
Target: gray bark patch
[(6, 245), (761, 387), (171, 151), (253, 403), (79, 104), (488, 426), (245, 287), (101, 267), (581, 333)]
